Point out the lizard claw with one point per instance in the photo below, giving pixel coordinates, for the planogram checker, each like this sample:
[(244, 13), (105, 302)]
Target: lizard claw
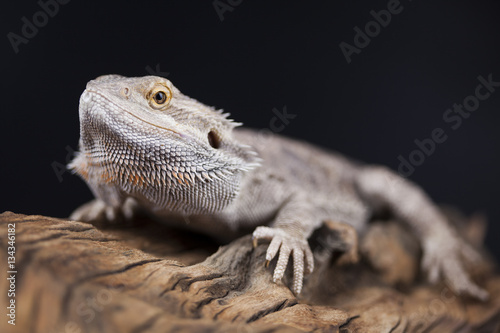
[(444, 259), (287, 244), (98, 211), (95, 210)]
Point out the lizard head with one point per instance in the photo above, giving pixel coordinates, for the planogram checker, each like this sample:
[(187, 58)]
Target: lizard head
[(169, 151)]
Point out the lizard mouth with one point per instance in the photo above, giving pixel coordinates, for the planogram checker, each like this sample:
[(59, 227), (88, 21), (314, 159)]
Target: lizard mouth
[(87, 98)]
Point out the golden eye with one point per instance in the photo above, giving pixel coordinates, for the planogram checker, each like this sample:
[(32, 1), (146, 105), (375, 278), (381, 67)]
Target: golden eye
[(160, 97)]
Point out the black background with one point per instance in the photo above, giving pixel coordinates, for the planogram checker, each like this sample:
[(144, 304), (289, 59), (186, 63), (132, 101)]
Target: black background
[(262, 55)]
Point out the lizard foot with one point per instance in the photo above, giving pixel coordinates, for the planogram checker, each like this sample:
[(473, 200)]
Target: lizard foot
[(97, 211), (445, 259), (287, 245)]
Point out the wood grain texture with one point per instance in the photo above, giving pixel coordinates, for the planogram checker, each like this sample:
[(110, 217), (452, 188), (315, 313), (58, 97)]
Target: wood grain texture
[(74, 277)]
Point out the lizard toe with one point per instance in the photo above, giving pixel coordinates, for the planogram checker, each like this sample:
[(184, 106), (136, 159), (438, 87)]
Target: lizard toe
[(284, 255), (298, 270), (460, 282), (94, 210)]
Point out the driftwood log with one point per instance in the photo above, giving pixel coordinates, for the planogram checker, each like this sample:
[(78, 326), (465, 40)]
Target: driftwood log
[(146, 277)]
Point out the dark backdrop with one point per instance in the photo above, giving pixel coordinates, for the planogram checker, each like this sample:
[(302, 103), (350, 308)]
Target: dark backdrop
[(250, 57)]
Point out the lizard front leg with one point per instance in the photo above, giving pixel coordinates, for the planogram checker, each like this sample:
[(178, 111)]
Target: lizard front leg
[(443, 249), (98, 210), (288, 234)]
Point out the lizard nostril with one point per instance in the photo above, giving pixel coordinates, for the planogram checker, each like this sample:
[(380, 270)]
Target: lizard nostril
[(125, 91), (213, 139)]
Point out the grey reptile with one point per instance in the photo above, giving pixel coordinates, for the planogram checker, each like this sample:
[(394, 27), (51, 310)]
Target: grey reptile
[(144, 144)]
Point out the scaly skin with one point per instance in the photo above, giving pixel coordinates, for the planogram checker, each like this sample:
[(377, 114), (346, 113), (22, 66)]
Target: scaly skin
[(145, 144)]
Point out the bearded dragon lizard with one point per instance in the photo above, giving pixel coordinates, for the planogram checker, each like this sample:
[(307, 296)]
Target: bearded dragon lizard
[(145, 144)]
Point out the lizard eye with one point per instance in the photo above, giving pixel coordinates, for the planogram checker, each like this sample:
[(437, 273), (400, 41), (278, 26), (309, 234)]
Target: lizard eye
[(160, 97)]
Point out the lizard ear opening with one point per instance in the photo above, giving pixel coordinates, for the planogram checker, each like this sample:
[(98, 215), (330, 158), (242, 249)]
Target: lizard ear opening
[(213, 140)]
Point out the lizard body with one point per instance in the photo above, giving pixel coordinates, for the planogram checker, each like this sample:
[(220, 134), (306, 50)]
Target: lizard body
[(145, 144)]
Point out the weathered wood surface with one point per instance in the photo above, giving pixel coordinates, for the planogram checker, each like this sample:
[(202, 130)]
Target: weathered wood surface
[(73, 277)]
